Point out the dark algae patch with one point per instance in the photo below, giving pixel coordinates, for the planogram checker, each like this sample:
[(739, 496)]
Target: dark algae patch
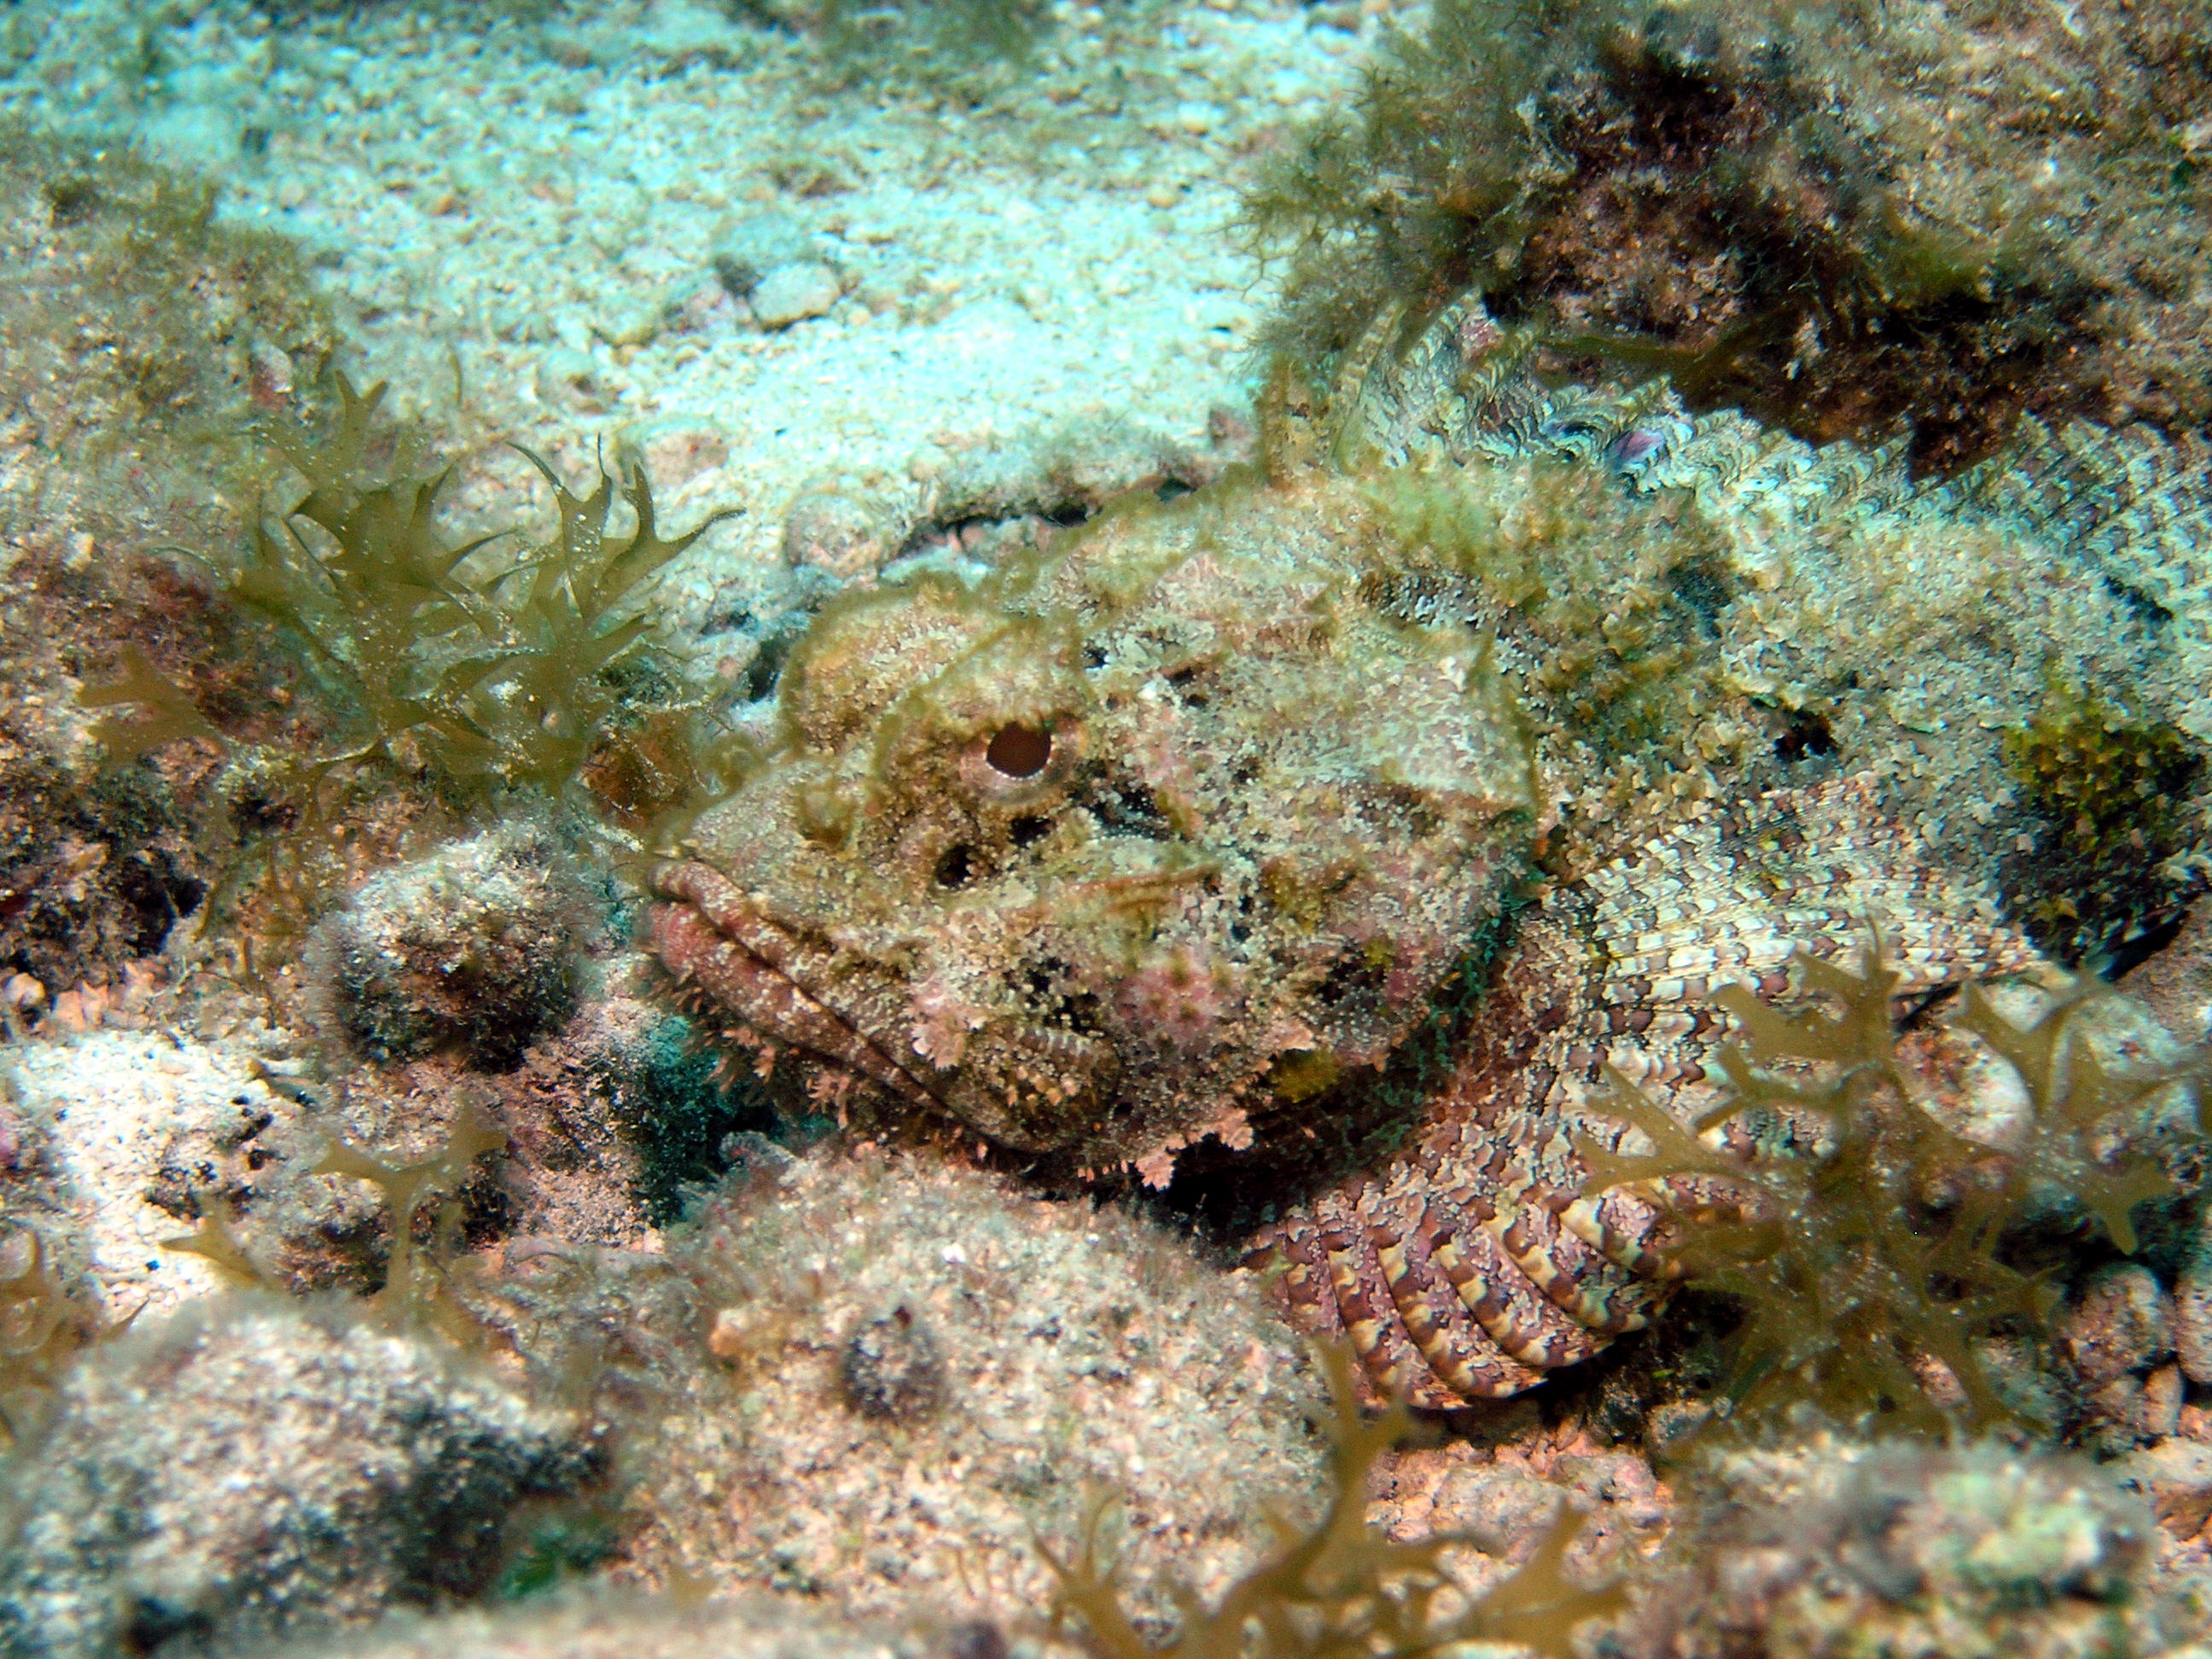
[(2107, 799), (1847, 221)]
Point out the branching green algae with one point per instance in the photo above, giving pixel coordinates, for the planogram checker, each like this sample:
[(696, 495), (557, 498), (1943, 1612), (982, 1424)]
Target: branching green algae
[(1861, 1237), (42, 1328), (1340, 1589), (495, 672), (487, 672), (416, 1295)]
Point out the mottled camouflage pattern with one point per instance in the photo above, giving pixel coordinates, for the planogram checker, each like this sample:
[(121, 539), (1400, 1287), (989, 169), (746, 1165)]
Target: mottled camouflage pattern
[(1473, 1264), (1115, 849)]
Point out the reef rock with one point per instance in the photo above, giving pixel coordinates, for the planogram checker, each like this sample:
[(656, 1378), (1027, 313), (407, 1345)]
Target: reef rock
[(1974, 1550), (128, 1138), (913, 1371)]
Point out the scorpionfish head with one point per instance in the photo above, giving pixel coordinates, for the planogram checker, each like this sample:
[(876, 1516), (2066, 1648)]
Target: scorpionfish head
[(1152, 835)]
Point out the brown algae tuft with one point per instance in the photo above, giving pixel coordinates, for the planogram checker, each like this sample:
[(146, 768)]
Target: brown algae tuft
[(1340, 1587)]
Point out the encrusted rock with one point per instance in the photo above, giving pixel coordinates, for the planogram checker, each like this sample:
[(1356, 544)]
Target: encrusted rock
[(1810, 219), (2176, 1476), (756, 245), (473, 947), (134, 1137), (1832, 1549), (249, 1468), (1072, 1347), (2121, 1322), (2176, 983), (837, 532), (2192, 1303), (1505, 1497), (891, 1367)]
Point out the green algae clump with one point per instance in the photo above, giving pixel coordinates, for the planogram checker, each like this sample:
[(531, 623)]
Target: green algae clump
[(43, 1328), (1861, 1235), (446, 675), (494, 672)]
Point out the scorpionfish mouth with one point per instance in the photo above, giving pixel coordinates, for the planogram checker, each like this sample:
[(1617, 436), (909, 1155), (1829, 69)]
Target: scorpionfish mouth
[(728, 946)]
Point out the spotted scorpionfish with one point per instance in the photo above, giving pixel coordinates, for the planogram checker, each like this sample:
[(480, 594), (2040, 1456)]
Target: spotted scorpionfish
[(1175, 830)]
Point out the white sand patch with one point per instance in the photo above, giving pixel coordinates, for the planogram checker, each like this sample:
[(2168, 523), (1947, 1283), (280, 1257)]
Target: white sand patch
[(519, 224), (119, 1109)]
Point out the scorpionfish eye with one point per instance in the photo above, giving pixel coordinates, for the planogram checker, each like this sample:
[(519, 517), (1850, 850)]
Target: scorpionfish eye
[(1019, 751)]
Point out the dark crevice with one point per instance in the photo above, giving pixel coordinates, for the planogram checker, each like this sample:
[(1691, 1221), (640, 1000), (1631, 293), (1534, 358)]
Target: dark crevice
[(1128, 808), (956, 868), (1805, 736)]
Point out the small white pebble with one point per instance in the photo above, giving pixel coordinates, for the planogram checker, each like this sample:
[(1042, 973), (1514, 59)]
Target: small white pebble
[(792, 292)]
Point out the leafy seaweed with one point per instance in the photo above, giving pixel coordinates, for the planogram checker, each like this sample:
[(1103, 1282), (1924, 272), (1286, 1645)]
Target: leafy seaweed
[(497, 671), (43, 1326), (159, 711), (415, 1293), (485, 667)]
